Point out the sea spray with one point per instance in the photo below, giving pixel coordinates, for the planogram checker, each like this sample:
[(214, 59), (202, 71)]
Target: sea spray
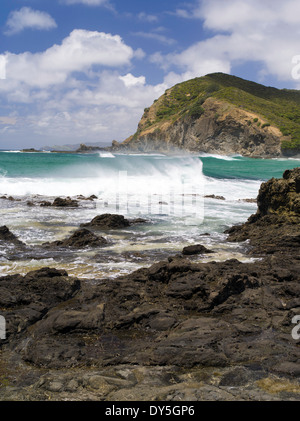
[(169, 192)]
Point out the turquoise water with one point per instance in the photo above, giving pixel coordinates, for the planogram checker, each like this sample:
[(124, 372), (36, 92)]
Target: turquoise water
[(170, 192), (44, 165)]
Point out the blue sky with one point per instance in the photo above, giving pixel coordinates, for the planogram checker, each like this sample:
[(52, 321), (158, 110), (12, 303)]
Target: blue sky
[(81, 71)]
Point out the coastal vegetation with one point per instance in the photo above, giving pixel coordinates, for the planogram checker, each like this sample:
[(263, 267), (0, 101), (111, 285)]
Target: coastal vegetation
[(279, 108)]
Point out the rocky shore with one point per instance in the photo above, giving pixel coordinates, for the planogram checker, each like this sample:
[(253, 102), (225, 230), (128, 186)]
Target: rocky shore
[(178, 330)]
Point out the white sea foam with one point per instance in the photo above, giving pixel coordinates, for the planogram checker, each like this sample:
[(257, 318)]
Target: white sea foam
[(106, 155), (11, 151), (223, 157), (167, 191)]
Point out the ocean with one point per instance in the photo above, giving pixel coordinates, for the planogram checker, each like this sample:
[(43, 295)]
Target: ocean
[(185, 200)]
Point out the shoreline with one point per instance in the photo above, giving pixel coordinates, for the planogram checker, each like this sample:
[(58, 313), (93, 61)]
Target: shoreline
[(168, 152), (201, 331)]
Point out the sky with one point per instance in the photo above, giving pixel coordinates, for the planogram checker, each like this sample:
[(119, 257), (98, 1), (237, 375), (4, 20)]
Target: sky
[(82, 71)]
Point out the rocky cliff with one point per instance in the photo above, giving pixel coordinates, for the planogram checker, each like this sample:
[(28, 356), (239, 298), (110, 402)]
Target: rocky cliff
[(221, 114), (275, 228)]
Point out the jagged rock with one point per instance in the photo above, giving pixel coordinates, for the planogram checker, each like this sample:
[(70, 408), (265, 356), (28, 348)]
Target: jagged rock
[(26, 299), (248, 200), (45, 203), (274, 228), (195, 249), (7, 236), (224, 325), (107, 221), (80, 239), (68, 202), (213, 196), (280, 196)]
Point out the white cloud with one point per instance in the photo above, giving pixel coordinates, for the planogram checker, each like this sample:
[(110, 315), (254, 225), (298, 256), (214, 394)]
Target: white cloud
[(79, 90), (110, 109), (245, 14), (25, 18), (266, 33), (130, 80), (78, 52)]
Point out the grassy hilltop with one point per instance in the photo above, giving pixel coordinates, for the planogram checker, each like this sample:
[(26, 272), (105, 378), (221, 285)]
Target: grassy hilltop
[(279, 108)]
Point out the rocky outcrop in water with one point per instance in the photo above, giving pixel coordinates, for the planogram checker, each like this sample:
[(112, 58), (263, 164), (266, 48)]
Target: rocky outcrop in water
[(7, 236), (81, 238), (65, 202), (275, 228), (107, 221), (195, 249)]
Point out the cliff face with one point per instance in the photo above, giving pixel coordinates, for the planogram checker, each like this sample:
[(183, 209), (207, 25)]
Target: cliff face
[(220, 114), (221, 129)]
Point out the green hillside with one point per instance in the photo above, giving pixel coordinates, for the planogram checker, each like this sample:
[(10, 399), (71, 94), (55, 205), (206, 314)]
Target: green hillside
[(278, 107)]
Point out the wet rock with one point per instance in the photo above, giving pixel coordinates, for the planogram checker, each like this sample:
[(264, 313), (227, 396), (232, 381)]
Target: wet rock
[(195, 249), (107, 221), (80, 239), (213, 196), (45, 203), (26, 299), (166, 326), (7, 236), (137, 221), (275, 227), (67, 202), (248, 200), (92, 197)]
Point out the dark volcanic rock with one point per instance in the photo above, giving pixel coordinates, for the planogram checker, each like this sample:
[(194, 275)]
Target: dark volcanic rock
[(195, 249), (281, 196), (67, 202), (232, 318), (26, 299), (275, 228), (108, 221), (8, 237), (213, 314), (80, 239), (213, 196), (45, 203)]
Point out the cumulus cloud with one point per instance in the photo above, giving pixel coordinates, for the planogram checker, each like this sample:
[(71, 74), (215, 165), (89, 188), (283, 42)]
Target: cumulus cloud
[(130, 80), (78, 52), (266, 33), (108, 109), (25, 18), (79, 89)]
